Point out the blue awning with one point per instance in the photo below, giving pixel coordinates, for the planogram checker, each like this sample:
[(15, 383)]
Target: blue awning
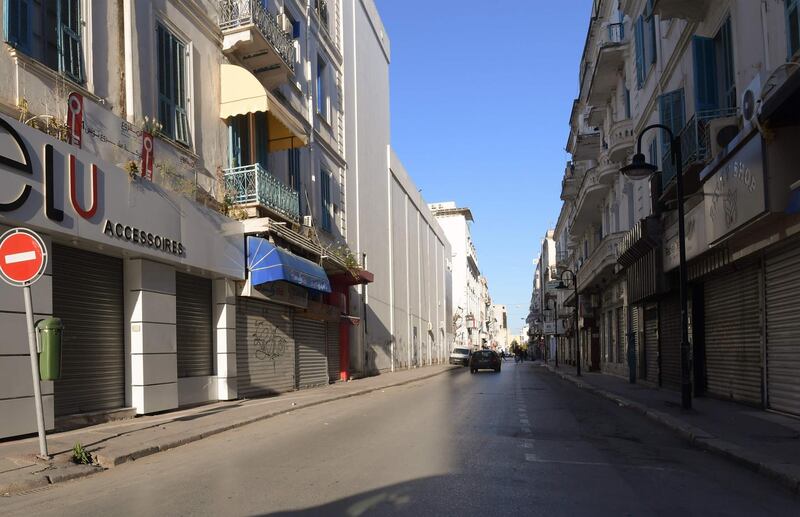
[(268, 263)]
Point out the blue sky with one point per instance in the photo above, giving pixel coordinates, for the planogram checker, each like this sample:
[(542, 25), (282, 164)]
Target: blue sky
[(481, 96)]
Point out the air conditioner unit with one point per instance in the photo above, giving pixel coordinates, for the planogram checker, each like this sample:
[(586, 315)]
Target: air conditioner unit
[(720, 133), (751, 100), (308, 220)]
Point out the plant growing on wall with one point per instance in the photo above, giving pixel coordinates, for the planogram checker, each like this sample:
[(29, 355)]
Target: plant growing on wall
[(45, 123), (343, 252)]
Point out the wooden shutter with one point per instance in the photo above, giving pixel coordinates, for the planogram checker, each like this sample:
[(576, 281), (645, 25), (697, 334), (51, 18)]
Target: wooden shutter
[(70, 44), (705, 74), (639, 36), (17, 24), (262, 139)]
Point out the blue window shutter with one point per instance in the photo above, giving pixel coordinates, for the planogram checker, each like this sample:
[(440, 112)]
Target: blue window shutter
[(705, 74), (793, 27), (639, 36), (17, 23), (671, 111), (262, 139), (295, 29), (652, 55)]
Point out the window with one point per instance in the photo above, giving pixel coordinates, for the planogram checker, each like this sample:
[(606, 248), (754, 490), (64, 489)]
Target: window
[(793, 26), (714, 79), (239, 140), (645, 41), (627, 103), (49, 32), (172, 85), (294, 175), (295, 25), (322, 94), (325, 191), (671, 110)]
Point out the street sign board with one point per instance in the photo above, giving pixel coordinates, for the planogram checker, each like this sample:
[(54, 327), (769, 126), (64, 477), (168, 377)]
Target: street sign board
[(23, 257)]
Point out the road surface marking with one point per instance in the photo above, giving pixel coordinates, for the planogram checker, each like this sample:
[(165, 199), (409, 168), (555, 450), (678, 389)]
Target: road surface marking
[(524, 421), (526, 429), (25, 256)]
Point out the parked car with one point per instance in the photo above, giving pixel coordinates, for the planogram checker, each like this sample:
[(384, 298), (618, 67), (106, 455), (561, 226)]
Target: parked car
[(460, 356), (484, 360)]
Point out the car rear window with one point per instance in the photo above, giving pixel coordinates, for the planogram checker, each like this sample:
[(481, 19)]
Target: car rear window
[(461, 351), (486, 354)]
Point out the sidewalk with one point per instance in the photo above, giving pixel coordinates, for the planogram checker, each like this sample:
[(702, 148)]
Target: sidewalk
[(115, 443), (766, 442)]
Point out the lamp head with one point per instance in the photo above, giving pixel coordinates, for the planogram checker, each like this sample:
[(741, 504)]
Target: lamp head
[(638, 168)]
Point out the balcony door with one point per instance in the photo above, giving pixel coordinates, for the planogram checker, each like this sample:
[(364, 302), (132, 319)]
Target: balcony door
[(248, 137)]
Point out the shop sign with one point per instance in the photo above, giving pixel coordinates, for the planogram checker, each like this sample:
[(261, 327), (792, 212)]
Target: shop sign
[(60, 189), (735, 194), (284, 293), (696, 240)]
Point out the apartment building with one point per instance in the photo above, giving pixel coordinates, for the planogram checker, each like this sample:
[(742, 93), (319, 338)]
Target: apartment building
[(720, 75), (498, 326), (469, 293)]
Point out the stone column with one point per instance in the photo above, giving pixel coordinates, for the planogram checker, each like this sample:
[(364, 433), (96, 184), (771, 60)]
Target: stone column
[(225, 338), (151, 335)]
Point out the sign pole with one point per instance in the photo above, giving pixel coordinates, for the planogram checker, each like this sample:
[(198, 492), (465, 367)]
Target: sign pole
[(37, 389)]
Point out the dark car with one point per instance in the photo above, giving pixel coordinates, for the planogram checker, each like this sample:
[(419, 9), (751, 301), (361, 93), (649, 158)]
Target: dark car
[(484, 360)]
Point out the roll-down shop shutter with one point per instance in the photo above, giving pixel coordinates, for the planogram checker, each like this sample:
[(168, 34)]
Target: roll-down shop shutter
[(733, 335), (265, 358), (88, 297), (312, 363), (635, 322), (193, 317), (651, 343), (783, 328), (669, 335), (332, 350)]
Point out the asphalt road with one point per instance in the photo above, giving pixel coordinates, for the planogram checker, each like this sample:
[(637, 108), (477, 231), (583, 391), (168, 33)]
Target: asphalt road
[(521, 442)]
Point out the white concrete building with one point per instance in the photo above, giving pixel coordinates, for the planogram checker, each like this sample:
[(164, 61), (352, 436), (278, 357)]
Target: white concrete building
[(498, 326), (407, 312)]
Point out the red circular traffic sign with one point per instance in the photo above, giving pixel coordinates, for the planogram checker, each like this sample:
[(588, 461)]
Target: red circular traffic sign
[(23, 257)]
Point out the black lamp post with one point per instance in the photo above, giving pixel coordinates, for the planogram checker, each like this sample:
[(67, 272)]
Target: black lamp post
[(562, 285), (555, 311), (640, 169)]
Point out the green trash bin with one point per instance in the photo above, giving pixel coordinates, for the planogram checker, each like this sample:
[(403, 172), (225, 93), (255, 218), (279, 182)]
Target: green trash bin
[(49, 331)]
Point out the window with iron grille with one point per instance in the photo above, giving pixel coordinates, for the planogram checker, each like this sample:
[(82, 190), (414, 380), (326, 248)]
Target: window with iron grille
[(49, 32), (172, 82)]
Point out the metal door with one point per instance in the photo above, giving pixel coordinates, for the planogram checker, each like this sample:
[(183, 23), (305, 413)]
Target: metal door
[(193, 315), (265, 356), (651, 343), (332, 350), (669, 334), (733, 335), (312, 362), (782, 282), (88, 297)]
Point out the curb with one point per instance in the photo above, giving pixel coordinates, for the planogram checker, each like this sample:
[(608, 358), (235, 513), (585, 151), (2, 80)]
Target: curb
[(60, 474), (697, 437)]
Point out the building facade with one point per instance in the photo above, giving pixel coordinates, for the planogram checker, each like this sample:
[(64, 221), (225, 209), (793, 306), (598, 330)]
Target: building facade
[(207, 227), (722, 77), (469, 293)]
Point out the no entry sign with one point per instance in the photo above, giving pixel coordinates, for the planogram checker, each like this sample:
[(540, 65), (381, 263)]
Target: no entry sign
[(23, 257)]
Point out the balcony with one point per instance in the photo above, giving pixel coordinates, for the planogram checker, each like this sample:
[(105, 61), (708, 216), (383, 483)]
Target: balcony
[(252, 186), (569, 189), (607, 170), (589, 202), (584, 144), (254, 36), (689, 10), (620, 140), (610, 57), (599, 268), (698, 142)]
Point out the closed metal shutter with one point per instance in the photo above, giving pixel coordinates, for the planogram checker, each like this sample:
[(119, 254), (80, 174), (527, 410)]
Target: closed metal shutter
[(332, 350), (193, 315), (265, 357), (669, 334), (651, 343), (733, 335), (312, 363), (621, 338), (635, 322), (88, 297), (783, 329)]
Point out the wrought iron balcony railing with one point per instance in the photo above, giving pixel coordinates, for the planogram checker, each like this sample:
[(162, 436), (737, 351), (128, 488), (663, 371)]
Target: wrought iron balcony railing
[(241, 13), (252, 184), (695, 138)]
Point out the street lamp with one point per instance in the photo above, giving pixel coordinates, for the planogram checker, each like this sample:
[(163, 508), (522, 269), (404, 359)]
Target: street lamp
[(562, 285), (640, 169), (555, 314)]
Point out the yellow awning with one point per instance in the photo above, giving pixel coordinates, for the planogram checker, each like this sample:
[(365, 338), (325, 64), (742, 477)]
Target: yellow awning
[(242, 93)]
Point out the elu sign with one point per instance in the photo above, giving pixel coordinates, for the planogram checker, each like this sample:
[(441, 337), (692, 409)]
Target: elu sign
[(26, 167)]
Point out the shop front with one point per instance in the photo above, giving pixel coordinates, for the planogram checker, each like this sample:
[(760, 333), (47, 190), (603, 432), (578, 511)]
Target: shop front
[(134, 274)]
